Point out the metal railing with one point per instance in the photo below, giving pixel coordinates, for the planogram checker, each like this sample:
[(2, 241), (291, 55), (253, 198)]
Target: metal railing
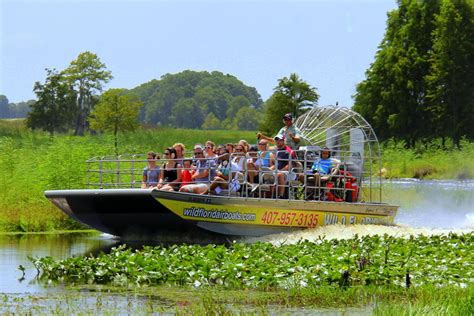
[(299, 182)]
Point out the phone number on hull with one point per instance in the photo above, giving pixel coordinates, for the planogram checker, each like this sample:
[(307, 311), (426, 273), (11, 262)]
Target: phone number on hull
[(290, 219)]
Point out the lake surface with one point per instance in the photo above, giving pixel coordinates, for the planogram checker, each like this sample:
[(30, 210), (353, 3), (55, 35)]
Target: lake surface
[(427, 207)]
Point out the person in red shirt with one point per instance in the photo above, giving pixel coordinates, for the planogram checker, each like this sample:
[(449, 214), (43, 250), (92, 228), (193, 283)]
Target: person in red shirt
[(186, 172)]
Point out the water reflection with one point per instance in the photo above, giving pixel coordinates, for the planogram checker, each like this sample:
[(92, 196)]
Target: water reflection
[(17, 248)]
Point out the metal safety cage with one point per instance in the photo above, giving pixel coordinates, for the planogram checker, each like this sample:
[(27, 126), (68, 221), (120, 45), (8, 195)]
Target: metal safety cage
[(350, 138)]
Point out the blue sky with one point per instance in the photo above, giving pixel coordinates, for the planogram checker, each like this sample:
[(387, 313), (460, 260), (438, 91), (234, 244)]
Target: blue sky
[(329, 44)]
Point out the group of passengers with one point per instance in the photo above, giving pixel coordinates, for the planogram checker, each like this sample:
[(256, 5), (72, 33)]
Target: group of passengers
[(213, 169)]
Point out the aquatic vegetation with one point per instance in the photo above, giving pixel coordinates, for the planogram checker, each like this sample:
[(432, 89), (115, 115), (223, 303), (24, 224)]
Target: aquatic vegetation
[(440, 260)]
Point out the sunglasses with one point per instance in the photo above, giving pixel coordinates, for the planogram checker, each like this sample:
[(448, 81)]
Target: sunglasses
[(239, 150), (261, 144), (198, 152), (166, 154)]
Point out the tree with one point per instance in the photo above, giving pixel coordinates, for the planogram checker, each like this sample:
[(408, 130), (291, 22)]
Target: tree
[(393, 96), (88, 75), (55, 108), (273, 110), (115, 112), (211, 122), (292, 95), (236, 104), (20, 109), (187, 114), (420, 85), (4, 107), (247, 118), (451, 79), (215, 92), (299, 94)]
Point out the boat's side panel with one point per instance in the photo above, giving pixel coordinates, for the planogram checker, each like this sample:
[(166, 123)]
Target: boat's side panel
[(119, 212), (378, 209), (241, 214)]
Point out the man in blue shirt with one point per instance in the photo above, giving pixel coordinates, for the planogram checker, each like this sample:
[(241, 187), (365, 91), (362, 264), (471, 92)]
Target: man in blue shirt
[(325, 165), (323, 169)]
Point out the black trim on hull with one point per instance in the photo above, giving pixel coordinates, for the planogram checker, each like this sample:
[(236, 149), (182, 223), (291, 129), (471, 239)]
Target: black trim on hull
[(120, 212)]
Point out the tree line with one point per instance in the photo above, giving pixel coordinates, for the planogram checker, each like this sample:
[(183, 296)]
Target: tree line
[(420, 86), (14, 110), (189, 99)]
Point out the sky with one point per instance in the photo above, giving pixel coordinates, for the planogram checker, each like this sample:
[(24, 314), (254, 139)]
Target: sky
[(329, 44)]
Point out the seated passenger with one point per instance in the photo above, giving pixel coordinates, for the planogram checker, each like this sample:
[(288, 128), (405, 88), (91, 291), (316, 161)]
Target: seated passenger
[(244, 143), (221, 150), (229, 147), (170, 176), (186, 172), (323, 168), (180, 152), (238, 158), (209, 150), (325, 165), (253, 163), (283, 159), (205, 171), (151, 173), (237, 166), (220, 181), (263, 163)]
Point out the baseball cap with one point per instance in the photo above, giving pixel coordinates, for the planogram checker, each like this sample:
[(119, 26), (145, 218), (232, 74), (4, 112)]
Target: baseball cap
[(288, 116)]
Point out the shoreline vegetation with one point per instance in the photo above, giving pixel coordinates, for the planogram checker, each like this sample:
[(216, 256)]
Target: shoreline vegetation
[(423, 300), (32, 162)]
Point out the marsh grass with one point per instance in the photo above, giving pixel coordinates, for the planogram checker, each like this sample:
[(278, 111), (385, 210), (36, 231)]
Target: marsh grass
[(425, 300), (428, 162)]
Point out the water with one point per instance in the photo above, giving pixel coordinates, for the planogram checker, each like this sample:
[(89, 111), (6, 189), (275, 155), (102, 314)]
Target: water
[(441, 204), (426, 207), (15, 250)]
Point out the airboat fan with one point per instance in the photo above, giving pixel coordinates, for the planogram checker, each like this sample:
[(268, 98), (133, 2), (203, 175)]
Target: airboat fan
[(347, 134)]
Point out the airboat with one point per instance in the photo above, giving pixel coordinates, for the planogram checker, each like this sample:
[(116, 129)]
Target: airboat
[(114, 203)]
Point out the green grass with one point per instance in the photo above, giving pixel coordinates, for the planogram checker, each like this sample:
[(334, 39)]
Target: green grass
[(430, 162), (189, 301)]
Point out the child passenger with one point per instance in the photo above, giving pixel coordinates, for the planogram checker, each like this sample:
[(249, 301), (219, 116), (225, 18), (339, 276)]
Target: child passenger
[(186, 172)]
